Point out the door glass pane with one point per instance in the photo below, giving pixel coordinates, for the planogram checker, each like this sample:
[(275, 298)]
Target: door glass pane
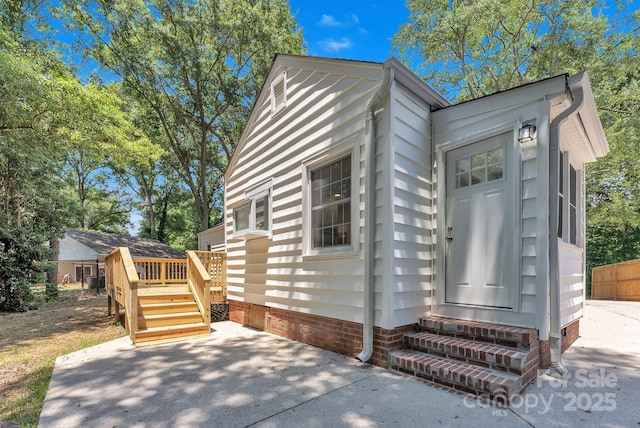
[(494, 172), (462, 181), (494, 156), (477, 177), (480, 168), (463, 165), (478, 161)]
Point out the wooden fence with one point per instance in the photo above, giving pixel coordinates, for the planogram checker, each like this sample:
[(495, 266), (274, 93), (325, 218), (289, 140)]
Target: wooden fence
[(619, 281)]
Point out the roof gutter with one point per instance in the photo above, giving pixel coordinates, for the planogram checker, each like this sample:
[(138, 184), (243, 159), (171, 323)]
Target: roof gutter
[(555, 333), (369, 208)]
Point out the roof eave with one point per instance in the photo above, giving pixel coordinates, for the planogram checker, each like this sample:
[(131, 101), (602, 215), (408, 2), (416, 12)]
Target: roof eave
[(589, 115)]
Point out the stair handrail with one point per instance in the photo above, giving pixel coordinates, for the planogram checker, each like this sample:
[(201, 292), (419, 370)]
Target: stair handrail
[(124, 275), (199, 282)]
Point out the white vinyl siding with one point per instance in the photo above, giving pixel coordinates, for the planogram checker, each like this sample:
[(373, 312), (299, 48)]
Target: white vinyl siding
[(212, 239), (571, 246), (533, 224), (411, 208), (324, 117), (571, 266), (70, 249)]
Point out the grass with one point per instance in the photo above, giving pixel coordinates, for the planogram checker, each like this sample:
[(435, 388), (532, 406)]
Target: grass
[(31, 341)]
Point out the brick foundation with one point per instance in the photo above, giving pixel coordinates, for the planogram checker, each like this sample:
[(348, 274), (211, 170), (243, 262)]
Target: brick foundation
[(343, 337), (570, 334)]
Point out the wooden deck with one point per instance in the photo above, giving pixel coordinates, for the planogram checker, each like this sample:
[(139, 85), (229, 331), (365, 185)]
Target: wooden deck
[(165, 300), (160, 289)]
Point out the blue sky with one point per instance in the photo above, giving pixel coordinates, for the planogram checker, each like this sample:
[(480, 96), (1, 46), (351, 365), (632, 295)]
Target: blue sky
[(356, 29), (361, 29)]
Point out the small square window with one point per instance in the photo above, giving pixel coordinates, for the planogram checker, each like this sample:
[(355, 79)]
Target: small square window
[(253, 218)]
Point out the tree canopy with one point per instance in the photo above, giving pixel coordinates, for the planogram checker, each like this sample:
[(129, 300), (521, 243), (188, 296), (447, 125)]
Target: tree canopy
[(197, 65), (151, 129), (47, 116)]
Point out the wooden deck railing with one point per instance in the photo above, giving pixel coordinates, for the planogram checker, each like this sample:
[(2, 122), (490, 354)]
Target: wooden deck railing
[(122, 284), (199, 282), (204, 272), (215, 263), (619, 281), (153, 271)]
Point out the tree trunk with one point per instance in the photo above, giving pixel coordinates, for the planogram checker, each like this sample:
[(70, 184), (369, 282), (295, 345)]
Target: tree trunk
[(52, 275)]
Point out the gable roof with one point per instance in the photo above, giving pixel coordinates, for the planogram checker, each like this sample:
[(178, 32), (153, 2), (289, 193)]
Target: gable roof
[(104, 243), (370, 69), (367, 69)]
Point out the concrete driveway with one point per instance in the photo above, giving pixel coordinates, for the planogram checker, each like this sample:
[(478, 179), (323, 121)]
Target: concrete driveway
[(240, 377)]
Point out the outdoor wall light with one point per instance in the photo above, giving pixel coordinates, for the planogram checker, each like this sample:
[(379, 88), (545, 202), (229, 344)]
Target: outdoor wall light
[(527, 132)]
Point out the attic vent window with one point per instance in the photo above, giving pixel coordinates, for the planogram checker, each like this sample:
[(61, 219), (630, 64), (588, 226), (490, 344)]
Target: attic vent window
[(279, 93)]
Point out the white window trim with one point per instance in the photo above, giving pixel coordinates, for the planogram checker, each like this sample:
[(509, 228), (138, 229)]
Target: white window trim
[(250, 198), (83, 268), (279, 80), (333, 252)]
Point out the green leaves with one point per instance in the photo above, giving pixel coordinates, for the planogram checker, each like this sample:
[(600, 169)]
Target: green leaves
[(470, 49), (198, 65)]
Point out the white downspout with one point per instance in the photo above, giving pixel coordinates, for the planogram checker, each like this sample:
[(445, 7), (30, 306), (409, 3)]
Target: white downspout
[(555, 333), (369, 214)]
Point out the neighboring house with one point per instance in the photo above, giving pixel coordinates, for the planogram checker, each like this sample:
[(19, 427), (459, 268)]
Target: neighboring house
[(81, 253), (359, 200), (212, 239)]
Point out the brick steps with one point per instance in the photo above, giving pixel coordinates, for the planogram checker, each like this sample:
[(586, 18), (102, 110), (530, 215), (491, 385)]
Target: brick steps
[(455, 374), (480, 331), (470, 356), (484, 354)]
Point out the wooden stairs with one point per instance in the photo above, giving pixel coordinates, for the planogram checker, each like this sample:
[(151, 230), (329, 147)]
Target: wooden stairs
[(168, 317), (489, 360)]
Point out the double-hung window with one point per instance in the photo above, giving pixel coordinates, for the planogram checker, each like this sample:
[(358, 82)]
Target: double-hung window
[(329, 226), (252, 218)]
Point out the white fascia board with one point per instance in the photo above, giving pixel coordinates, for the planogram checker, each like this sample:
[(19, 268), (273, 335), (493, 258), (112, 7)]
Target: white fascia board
[(521, 95), (415, 84), (589, 116)]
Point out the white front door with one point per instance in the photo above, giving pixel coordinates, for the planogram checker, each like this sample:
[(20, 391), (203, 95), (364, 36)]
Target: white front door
[(479, 246)]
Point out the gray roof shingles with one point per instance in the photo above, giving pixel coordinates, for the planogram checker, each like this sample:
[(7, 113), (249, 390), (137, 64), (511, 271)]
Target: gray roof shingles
[(104, 243)]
